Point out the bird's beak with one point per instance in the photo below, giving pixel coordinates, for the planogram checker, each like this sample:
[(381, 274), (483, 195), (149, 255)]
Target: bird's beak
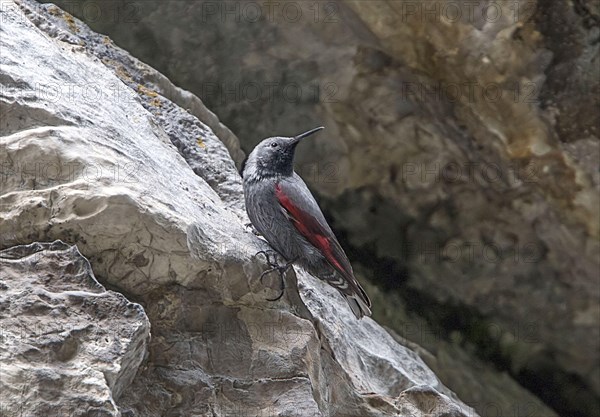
[(296, 139)]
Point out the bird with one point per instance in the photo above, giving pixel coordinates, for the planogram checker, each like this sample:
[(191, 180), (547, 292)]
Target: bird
[(283, 210)]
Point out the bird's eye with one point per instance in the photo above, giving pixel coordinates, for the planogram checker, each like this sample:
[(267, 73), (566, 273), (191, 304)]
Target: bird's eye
[(274, 145)]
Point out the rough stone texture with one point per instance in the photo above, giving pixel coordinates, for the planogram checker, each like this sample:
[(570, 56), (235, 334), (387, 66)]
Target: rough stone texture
[(152, 198), (68, 346), (465, 149)]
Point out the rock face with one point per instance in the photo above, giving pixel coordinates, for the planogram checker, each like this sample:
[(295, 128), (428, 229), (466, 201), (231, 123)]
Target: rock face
[(69, 347), (97, 152), (461, 147)]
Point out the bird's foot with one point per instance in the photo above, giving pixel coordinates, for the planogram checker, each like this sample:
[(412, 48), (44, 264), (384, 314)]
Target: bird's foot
[(281, 269), (271, 257), (281, 282)]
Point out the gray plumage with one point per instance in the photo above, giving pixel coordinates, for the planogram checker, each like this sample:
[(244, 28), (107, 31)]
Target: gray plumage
[(283, 210)]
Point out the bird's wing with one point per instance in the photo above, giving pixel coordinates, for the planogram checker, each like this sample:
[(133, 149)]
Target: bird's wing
[(307, 218)]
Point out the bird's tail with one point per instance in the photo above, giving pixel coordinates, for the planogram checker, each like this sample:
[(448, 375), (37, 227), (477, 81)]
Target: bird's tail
[(355, 296), (357, 304)]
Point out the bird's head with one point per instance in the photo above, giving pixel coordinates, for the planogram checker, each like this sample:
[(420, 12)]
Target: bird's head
[(274, 156)]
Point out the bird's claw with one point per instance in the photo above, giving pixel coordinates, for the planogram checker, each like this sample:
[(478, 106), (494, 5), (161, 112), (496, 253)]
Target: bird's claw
[(281, 269), (270, 256), (276, 298)]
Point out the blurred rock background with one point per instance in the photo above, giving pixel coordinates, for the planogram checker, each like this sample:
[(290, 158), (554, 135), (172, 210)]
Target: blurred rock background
[(459, 165)]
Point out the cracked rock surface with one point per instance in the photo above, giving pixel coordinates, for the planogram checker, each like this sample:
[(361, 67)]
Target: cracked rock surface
[(67, 346), (98, 153)]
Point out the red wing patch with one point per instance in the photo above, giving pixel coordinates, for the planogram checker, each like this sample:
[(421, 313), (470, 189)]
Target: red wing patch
[(310, 228)]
